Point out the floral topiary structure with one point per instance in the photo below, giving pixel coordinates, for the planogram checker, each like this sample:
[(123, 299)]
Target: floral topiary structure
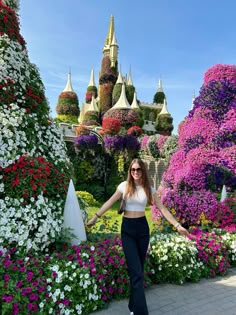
[(33, 163), (205, 158)]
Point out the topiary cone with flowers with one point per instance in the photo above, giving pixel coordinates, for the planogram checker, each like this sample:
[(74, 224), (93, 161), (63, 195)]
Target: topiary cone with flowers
[(34, 169), (205, 159)]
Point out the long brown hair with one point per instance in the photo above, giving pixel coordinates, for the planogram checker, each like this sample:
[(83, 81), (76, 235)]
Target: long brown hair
[(130, 190)]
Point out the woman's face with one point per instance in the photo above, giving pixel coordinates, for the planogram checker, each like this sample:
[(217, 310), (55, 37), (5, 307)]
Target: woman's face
[(136, 171)]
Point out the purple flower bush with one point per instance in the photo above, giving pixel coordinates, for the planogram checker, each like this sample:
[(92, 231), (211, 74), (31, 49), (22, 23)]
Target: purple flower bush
[(131, 143), (119, 143), (205, 158), (114, 143), (84, 142)]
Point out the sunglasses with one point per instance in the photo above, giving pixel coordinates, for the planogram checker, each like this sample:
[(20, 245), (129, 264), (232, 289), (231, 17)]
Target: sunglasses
[(136, 169)]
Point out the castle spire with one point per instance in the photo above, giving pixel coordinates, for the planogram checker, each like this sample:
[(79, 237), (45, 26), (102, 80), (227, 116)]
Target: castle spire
[(109, 38), (113, 50), (119, 79), (130, 81), (122, 101), (91, 81), (159, 88), (68, 87), (164, 108), (110, 31), (93, 106), (134, 104)]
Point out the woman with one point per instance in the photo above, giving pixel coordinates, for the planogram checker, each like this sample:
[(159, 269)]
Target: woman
[(135, 230)]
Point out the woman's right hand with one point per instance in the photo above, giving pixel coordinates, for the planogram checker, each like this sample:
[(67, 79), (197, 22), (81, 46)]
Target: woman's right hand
[(92, 221)]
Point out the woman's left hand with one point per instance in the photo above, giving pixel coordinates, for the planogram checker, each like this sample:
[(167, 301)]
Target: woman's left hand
[(181, 230)]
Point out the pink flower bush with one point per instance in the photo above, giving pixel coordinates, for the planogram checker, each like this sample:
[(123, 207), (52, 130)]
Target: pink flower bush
[(205, 159), (219, 72), (144, 143)]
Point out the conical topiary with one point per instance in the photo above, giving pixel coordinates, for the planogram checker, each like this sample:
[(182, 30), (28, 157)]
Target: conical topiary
[(33, 162)]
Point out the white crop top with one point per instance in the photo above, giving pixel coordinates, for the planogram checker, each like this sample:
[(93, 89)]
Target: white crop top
[(138, 201)]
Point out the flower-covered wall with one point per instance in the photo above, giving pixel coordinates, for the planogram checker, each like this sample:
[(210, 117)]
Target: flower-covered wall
[(206, 155), (34, 172)]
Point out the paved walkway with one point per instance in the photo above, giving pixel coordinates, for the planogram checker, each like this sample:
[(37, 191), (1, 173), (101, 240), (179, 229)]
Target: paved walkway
[(215, 296)]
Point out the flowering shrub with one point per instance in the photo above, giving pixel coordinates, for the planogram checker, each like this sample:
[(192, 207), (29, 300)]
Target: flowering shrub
[(212, 252), (114, 143), (131, 143), (88, 198), (216, 96), (106, 97), (169, 147), (144, 143), (32, 150), (68, 104), (174, 259), (111, 126), (135, 131), (85, 142), (204, 161), (9, 23), (152, 146), (221, 72), (29, 177), (81, 130), (81, 279), (127, 117)]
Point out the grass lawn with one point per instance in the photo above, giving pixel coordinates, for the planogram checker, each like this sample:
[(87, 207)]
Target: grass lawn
[(112, 215)]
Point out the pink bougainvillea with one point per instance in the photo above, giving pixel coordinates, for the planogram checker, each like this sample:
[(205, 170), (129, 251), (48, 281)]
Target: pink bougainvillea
[(220, 72), (205, 159)]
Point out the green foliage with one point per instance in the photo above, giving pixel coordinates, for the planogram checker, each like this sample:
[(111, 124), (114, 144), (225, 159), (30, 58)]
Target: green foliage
[(170, 146), (97, 190), (68, 119), (67, 108), (116, 93), (146, 112), (88, 198), (159, 98), (129, 90), (164, 124), (92, 89), (152, 146)]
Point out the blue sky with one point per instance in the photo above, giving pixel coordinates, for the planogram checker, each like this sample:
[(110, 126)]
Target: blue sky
[(177, 40)]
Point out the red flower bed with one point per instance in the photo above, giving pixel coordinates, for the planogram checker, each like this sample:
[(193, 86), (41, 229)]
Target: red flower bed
[(111, 126), (30, 176), (9, 24)]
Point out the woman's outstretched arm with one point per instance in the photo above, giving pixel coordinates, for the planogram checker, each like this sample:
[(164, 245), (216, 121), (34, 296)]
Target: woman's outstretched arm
[(166, 213), (106, 206)]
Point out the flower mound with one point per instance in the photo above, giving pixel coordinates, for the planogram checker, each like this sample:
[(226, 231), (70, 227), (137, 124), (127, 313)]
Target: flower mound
[(219, 72), (33, 163), (204, 160)]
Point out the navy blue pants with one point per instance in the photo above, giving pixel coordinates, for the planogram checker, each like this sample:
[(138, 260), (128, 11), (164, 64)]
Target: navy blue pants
[(135, 240)]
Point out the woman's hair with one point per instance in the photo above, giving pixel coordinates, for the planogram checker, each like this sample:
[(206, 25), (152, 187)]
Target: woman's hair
[(144, 181)]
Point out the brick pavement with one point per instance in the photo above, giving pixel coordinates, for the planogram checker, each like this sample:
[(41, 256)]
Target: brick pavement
[(215, 296)]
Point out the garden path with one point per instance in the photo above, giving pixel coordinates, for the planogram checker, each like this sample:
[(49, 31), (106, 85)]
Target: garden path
[(215, 296)]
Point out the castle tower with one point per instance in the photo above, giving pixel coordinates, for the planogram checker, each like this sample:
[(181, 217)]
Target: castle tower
[(68, 104), (164, 121), (91, 89), (108, 73), (160, 95)]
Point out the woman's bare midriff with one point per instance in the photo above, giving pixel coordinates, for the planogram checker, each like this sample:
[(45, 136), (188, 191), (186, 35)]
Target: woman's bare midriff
[(134, 214)]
